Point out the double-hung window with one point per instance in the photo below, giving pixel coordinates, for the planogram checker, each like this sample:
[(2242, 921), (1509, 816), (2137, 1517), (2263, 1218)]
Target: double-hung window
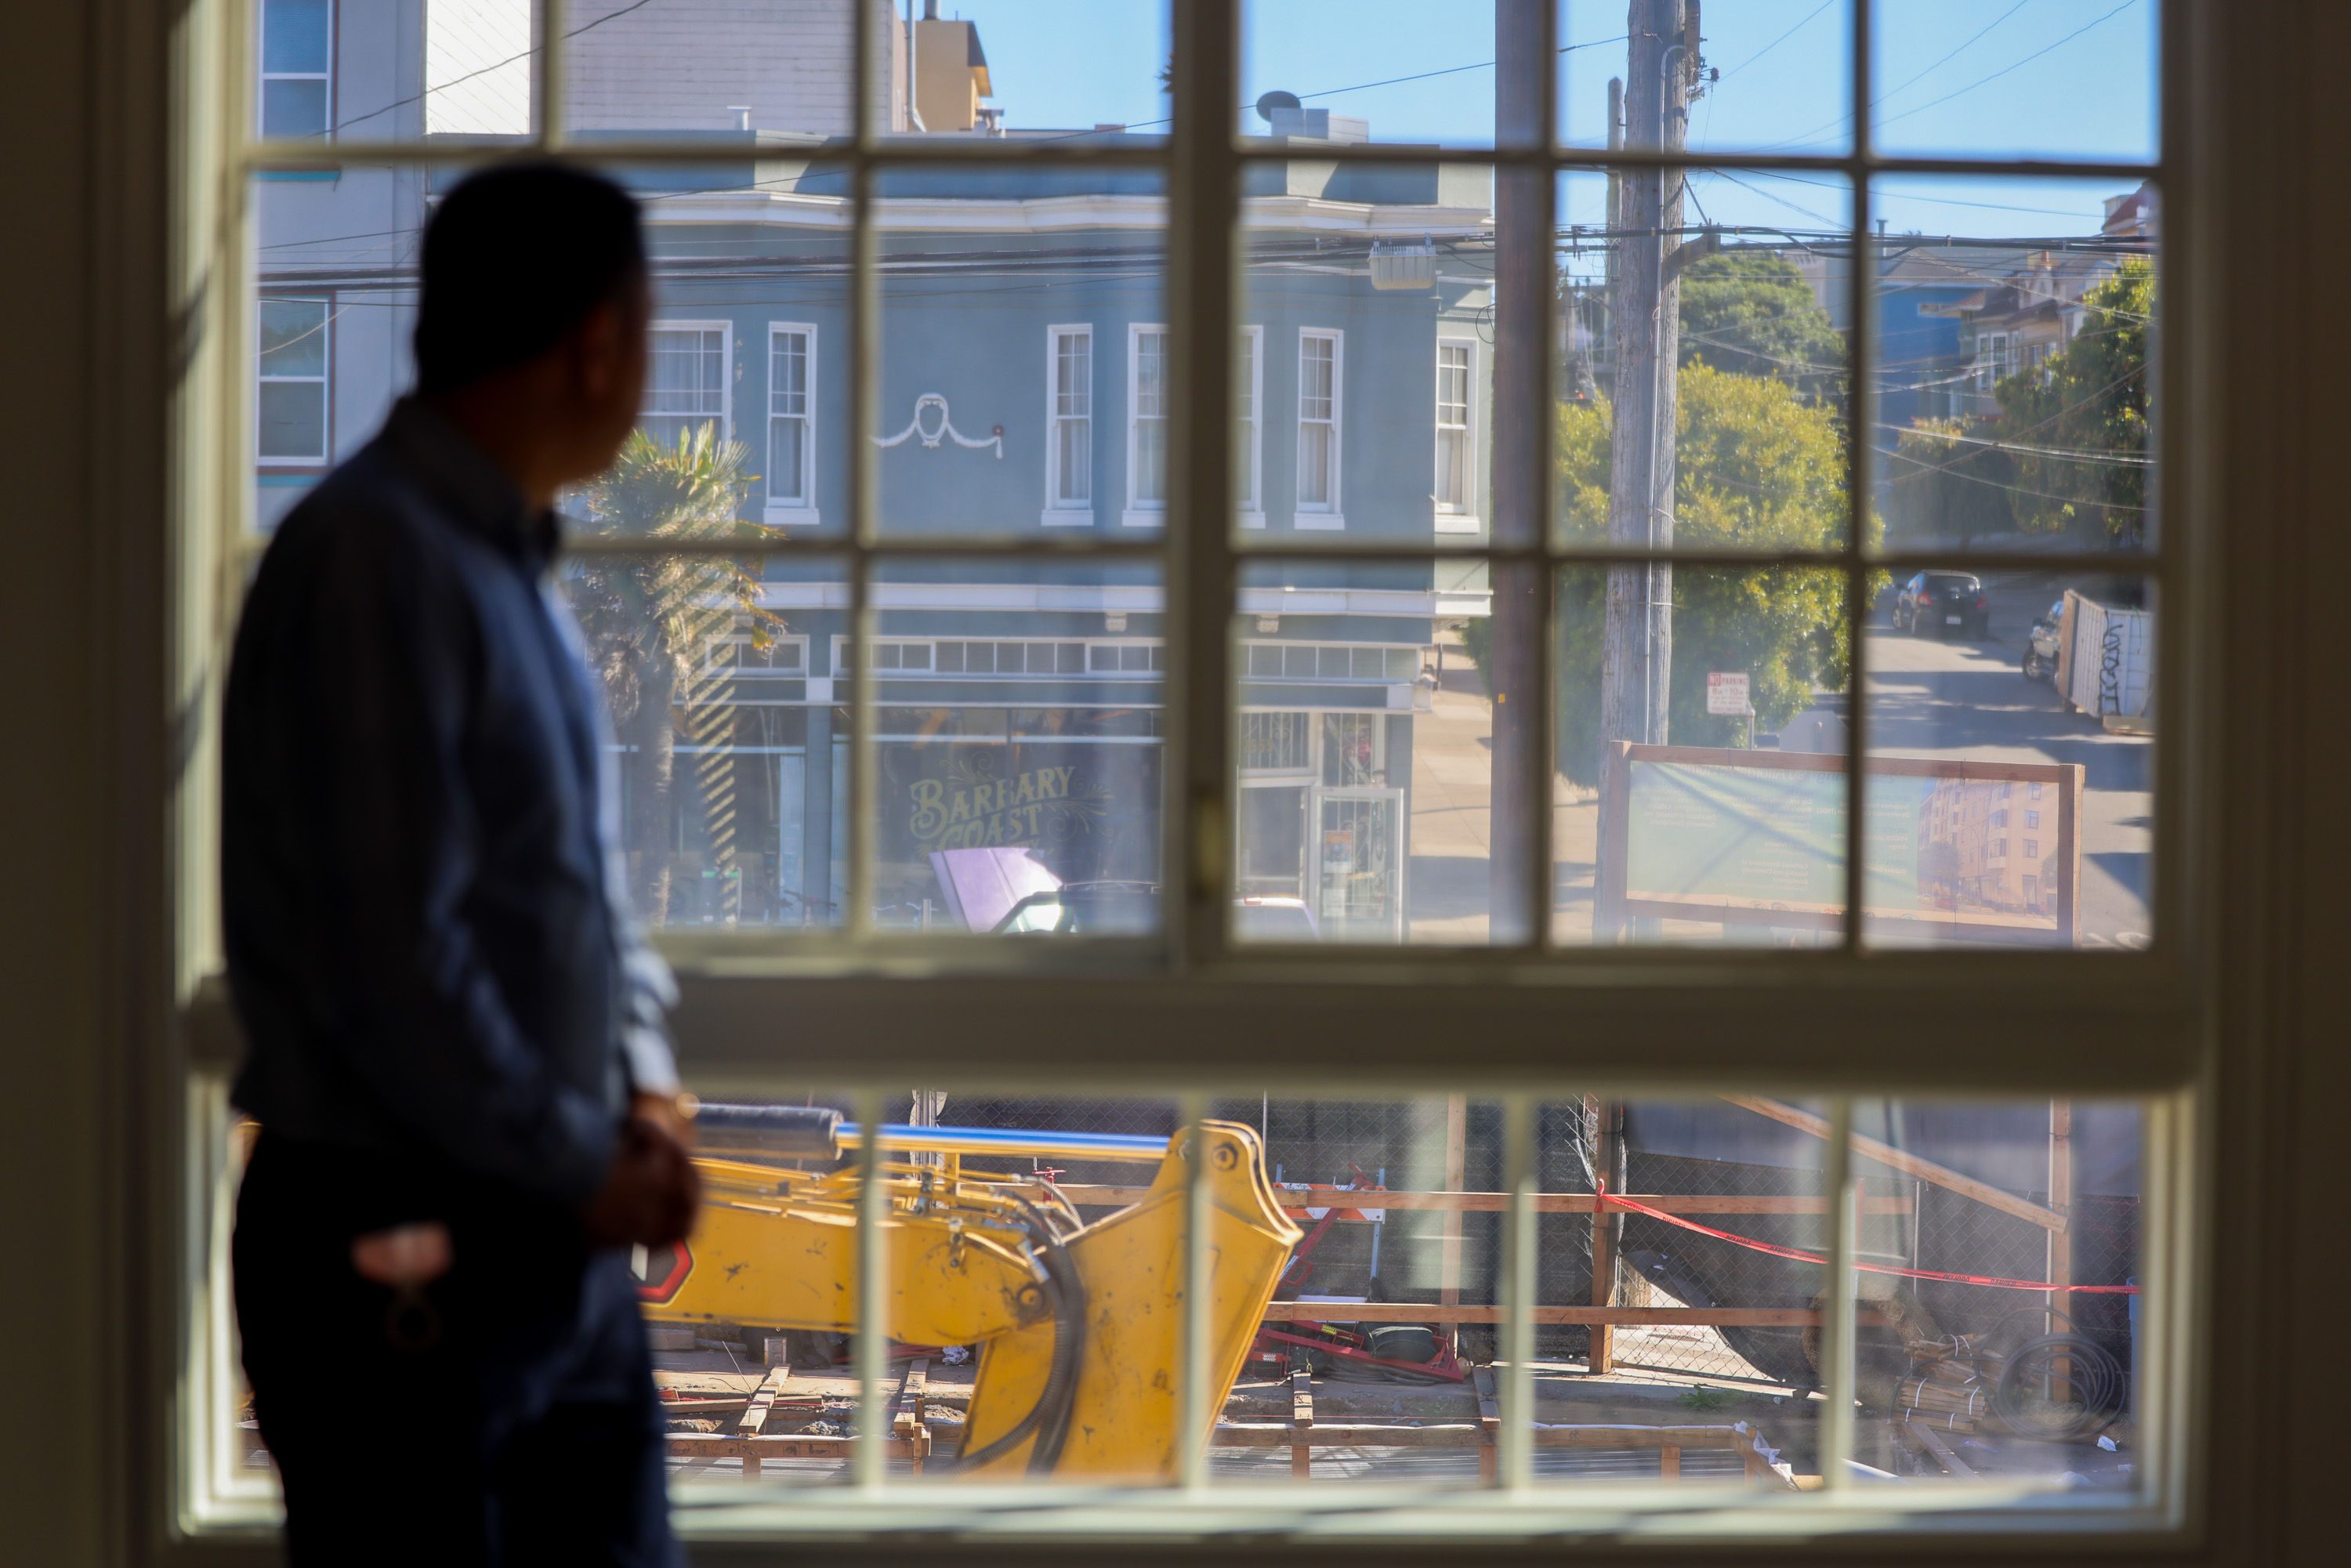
[(1248, 442), (292, 405), (791, 423), (1319, 390), (686, 383), (1068, 427), (1147, 427), (297, 71), (1456, 493)]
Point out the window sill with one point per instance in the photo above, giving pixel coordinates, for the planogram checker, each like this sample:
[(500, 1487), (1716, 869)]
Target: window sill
[(1324, 522), (777, 517), (1459, 523), (1068, 518), (1251, 520), (1152, 517)]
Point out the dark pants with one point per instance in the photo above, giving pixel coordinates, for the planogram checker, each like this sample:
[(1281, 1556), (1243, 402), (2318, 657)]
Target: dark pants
[(504, 1416)]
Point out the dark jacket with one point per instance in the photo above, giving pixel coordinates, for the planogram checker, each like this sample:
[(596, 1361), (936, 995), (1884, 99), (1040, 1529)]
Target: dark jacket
[(428, 941)]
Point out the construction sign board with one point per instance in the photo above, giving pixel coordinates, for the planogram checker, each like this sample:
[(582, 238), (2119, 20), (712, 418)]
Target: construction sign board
[(1952, 849)]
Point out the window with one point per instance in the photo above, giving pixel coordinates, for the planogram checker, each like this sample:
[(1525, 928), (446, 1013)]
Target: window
[(686, 381), (1457, 451), (2032, 819), (1319, 390), (1069, 425), (1147, 427), (1249, 440), (1455, 927), (791, 423), (291, 422), (298, 53)]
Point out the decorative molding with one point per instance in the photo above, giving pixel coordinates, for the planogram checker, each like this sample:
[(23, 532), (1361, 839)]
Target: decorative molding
[(946, 428)]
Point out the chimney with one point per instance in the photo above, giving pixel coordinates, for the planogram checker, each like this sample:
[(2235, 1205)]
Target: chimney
[(930, 10)]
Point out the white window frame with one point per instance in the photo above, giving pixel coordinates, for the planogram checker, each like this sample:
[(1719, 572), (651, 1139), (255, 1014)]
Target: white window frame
[(1060, 513), (1140, 512), (264, 76), (726, 330), (324, 380), (714, 667), (1463, 518), (1249, 508), (1323, 515), (1991, 360), (801, 510)]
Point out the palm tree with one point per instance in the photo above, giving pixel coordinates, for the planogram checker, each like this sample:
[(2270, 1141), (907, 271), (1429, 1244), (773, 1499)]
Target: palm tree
[(647, 619)]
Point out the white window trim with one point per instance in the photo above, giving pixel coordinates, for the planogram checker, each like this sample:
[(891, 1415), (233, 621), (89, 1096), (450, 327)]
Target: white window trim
[(802, 512), (324, 381), (1138, 513), (711, 668), (841, 659), (263, 75), (1331, 518), (1464, 520), (1058, 514), (1254, 516), (726, 330)]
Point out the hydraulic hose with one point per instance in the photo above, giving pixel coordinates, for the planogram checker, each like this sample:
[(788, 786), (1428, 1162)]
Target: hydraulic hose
[(1049, 1418)]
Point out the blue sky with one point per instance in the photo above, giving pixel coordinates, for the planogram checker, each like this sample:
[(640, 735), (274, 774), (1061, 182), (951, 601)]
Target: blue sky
[(2043, 78)]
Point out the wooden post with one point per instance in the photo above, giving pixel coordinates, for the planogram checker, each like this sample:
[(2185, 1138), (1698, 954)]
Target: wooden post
[(1669, 1464), (755, 1418), (1601, 1361), (1457, 1138), (1301, 1423), (1490, 1427), (2061, 1243)]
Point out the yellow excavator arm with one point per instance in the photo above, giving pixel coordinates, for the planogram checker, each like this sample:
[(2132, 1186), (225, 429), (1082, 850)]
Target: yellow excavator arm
[(1076, 1325)]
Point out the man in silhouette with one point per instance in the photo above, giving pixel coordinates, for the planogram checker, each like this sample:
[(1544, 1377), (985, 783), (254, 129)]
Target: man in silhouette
[(457, 1059)]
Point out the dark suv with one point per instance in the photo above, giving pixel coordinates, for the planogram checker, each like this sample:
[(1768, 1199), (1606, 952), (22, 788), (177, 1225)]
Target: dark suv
[(1945, 601)]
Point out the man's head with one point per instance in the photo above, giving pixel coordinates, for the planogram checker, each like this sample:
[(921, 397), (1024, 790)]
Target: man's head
[(535, 302)]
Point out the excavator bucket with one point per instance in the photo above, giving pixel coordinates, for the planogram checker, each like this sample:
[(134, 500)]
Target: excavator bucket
[(1123, 1422)]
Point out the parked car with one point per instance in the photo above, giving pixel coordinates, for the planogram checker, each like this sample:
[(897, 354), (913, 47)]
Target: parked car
[(2040, 662), (1940, 601)]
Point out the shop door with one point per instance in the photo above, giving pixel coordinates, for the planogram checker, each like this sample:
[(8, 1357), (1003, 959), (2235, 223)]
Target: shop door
[(1359, 864)]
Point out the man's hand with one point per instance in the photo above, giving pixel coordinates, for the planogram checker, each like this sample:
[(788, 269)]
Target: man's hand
[(649, 1195)]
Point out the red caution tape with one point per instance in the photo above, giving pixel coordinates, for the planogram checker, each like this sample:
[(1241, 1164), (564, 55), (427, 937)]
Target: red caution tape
[(1601, 1200)]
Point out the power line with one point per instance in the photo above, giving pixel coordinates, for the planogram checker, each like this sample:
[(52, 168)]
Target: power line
[(469, 76), (1846, 118), (1775, 43), (2003, 70)]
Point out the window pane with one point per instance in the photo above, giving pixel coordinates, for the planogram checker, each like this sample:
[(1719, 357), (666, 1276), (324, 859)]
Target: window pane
[(2016, 375), (294, 36), (2067, 81), (292, 421), (1677, 817), (2015, 803), (1757, 397), (1768, 76), (1011, 772), (293, 337), (293, 107), (728, 751)]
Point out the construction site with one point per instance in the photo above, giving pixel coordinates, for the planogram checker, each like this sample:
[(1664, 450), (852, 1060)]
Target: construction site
[(1033, 1270)]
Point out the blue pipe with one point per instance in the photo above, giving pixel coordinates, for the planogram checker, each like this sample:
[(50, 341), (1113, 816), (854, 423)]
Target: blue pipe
[(1011, 1141)]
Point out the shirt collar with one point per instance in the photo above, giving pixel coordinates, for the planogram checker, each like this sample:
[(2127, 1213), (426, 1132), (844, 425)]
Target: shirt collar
[(479, 493)]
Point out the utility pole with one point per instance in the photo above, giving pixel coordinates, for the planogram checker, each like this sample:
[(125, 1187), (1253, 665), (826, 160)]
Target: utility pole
[(1524, 276), (1637, 641)]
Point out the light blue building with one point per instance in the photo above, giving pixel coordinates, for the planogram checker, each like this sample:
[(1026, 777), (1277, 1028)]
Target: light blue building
[(1022, 392)]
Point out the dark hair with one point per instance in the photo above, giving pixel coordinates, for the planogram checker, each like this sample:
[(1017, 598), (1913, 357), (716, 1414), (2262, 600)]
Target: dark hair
[(515, 257)]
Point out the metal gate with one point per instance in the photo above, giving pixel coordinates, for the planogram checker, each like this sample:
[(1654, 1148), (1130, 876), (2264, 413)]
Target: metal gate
[(1358, 848)]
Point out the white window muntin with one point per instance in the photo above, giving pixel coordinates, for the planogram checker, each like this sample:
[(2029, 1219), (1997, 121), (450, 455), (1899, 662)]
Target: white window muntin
[(1455, 496), (923, 658), (689, 378), (1248, 429), (1321, 380), (784, 658), (294, 342), (1991, 360), (790, 480), (298, 68), (1147, 427), (1386, 663), (1068, 427)]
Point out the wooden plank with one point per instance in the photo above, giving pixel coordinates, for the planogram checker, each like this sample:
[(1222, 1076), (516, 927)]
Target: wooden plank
[(1934, 1444), (1465, 1434), (723, 1446), (1669, 1463), (908, 1415), (1489, 1202), (1908, 1163), (1418, 1313), (754, 1416), (1601, 1358)]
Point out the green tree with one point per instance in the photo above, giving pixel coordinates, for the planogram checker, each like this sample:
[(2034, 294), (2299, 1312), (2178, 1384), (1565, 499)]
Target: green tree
[(1750, 313), (647, 619), (1758, 467), (1947, 483), (2078, 430)]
